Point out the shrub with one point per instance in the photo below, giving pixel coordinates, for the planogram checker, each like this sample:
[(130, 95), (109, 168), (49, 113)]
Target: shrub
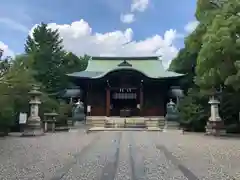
[(193, 114), (6, 113), (64, 112), (233, 128)]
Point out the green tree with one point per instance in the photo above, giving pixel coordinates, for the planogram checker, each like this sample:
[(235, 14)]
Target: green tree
[(214, 50), (192, 112), (4, 65), (50, 62), (6, 110), (216, 63), (19, 81), (14, 87), (72, 63), (45, 46), (185, 63)]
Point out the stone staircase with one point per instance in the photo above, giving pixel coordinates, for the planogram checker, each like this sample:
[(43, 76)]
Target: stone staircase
[(135, 123), (114, 122), (155, 122), (95, 121), (161, 122), (172, 125), (128, 122)]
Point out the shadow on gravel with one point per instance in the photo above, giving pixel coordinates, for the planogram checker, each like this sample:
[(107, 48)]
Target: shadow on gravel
[(60, 173), (186, 172), (138, 169), (110, 170)]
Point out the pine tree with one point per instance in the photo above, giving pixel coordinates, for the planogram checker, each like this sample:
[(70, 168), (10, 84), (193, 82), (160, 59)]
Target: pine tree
[(45, 46)]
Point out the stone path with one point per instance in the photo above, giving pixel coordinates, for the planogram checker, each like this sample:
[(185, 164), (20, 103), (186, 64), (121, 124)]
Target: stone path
[(119, 156)]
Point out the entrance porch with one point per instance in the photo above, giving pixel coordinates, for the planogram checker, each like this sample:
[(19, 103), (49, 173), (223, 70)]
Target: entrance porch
[(124, 102)]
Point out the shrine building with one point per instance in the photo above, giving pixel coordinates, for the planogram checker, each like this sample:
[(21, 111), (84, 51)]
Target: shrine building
[(125, 87)]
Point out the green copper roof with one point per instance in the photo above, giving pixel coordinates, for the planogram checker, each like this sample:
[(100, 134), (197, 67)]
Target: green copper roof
[(125, 58), (149, 66)]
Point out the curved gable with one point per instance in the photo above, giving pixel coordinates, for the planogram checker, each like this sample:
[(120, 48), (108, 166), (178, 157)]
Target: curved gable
[(149, 66)]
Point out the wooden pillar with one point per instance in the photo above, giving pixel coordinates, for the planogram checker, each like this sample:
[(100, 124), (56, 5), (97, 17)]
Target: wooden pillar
[(108, 102), (141, 101)]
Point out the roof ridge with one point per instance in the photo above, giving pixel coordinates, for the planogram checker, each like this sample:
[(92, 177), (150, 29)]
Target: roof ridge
[(129, 58)]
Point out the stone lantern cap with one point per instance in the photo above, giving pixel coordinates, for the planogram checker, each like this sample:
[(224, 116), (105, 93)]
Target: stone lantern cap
[(35, 91), (213, 101), (51, 114)]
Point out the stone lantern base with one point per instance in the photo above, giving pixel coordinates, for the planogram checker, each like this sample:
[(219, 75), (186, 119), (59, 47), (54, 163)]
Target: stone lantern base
[(215, 128), (33, 128)]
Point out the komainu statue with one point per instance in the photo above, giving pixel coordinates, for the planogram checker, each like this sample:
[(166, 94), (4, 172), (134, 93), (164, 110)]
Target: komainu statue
[(172, 112), (78, 112)]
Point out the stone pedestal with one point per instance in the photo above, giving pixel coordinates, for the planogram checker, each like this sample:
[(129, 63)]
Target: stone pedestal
[(78, 125), (70, 122), (171, 125), (215, 125), (33, 126)]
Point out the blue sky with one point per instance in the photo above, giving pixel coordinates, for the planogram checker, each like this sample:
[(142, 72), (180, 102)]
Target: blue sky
[(152, 18)]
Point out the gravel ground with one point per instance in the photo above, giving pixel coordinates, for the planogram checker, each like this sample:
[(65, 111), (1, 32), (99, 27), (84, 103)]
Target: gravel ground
[(39, 157), (206, 157), (119, 156)]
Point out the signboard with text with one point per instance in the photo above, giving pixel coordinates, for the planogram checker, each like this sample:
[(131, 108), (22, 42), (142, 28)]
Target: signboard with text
[(22, 118)]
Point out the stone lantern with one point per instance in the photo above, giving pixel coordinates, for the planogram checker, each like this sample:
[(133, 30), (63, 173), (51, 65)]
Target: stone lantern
[(50, 119), (215, 125), (34, 126)]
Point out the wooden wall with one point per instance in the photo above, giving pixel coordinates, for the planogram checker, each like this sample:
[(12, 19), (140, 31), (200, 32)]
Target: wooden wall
[(154, 100), (155, 95), (96, 98)]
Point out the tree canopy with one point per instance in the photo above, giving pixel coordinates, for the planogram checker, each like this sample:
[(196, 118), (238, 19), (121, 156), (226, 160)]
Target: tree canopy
[(51, 62), (45, 63), (211, 56)]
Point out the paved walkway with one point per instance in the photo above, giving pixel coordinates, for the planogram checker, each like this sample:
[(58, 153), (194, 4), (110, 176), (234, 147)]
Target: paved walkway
[(119, 156)]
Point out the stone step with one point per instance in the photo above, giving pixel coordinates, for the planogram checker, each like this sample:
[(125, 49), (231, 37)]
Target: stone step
[(126, 122), (135, 126), (172, 125), (107, 124), (95, 121), (114, 126)]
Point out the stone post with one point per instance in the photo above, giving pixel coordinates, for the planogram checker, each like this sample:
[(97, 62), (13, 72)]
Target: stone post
[(215, 125), (33, 125)]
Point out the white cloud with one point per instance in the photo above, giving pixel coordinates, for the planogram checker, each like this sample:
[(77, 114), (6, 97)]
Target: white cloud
[(172, 35), (127, 18), (6, 50), (136, 6), (191, 26), (13, 24), (79, 38), (139, 5)]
